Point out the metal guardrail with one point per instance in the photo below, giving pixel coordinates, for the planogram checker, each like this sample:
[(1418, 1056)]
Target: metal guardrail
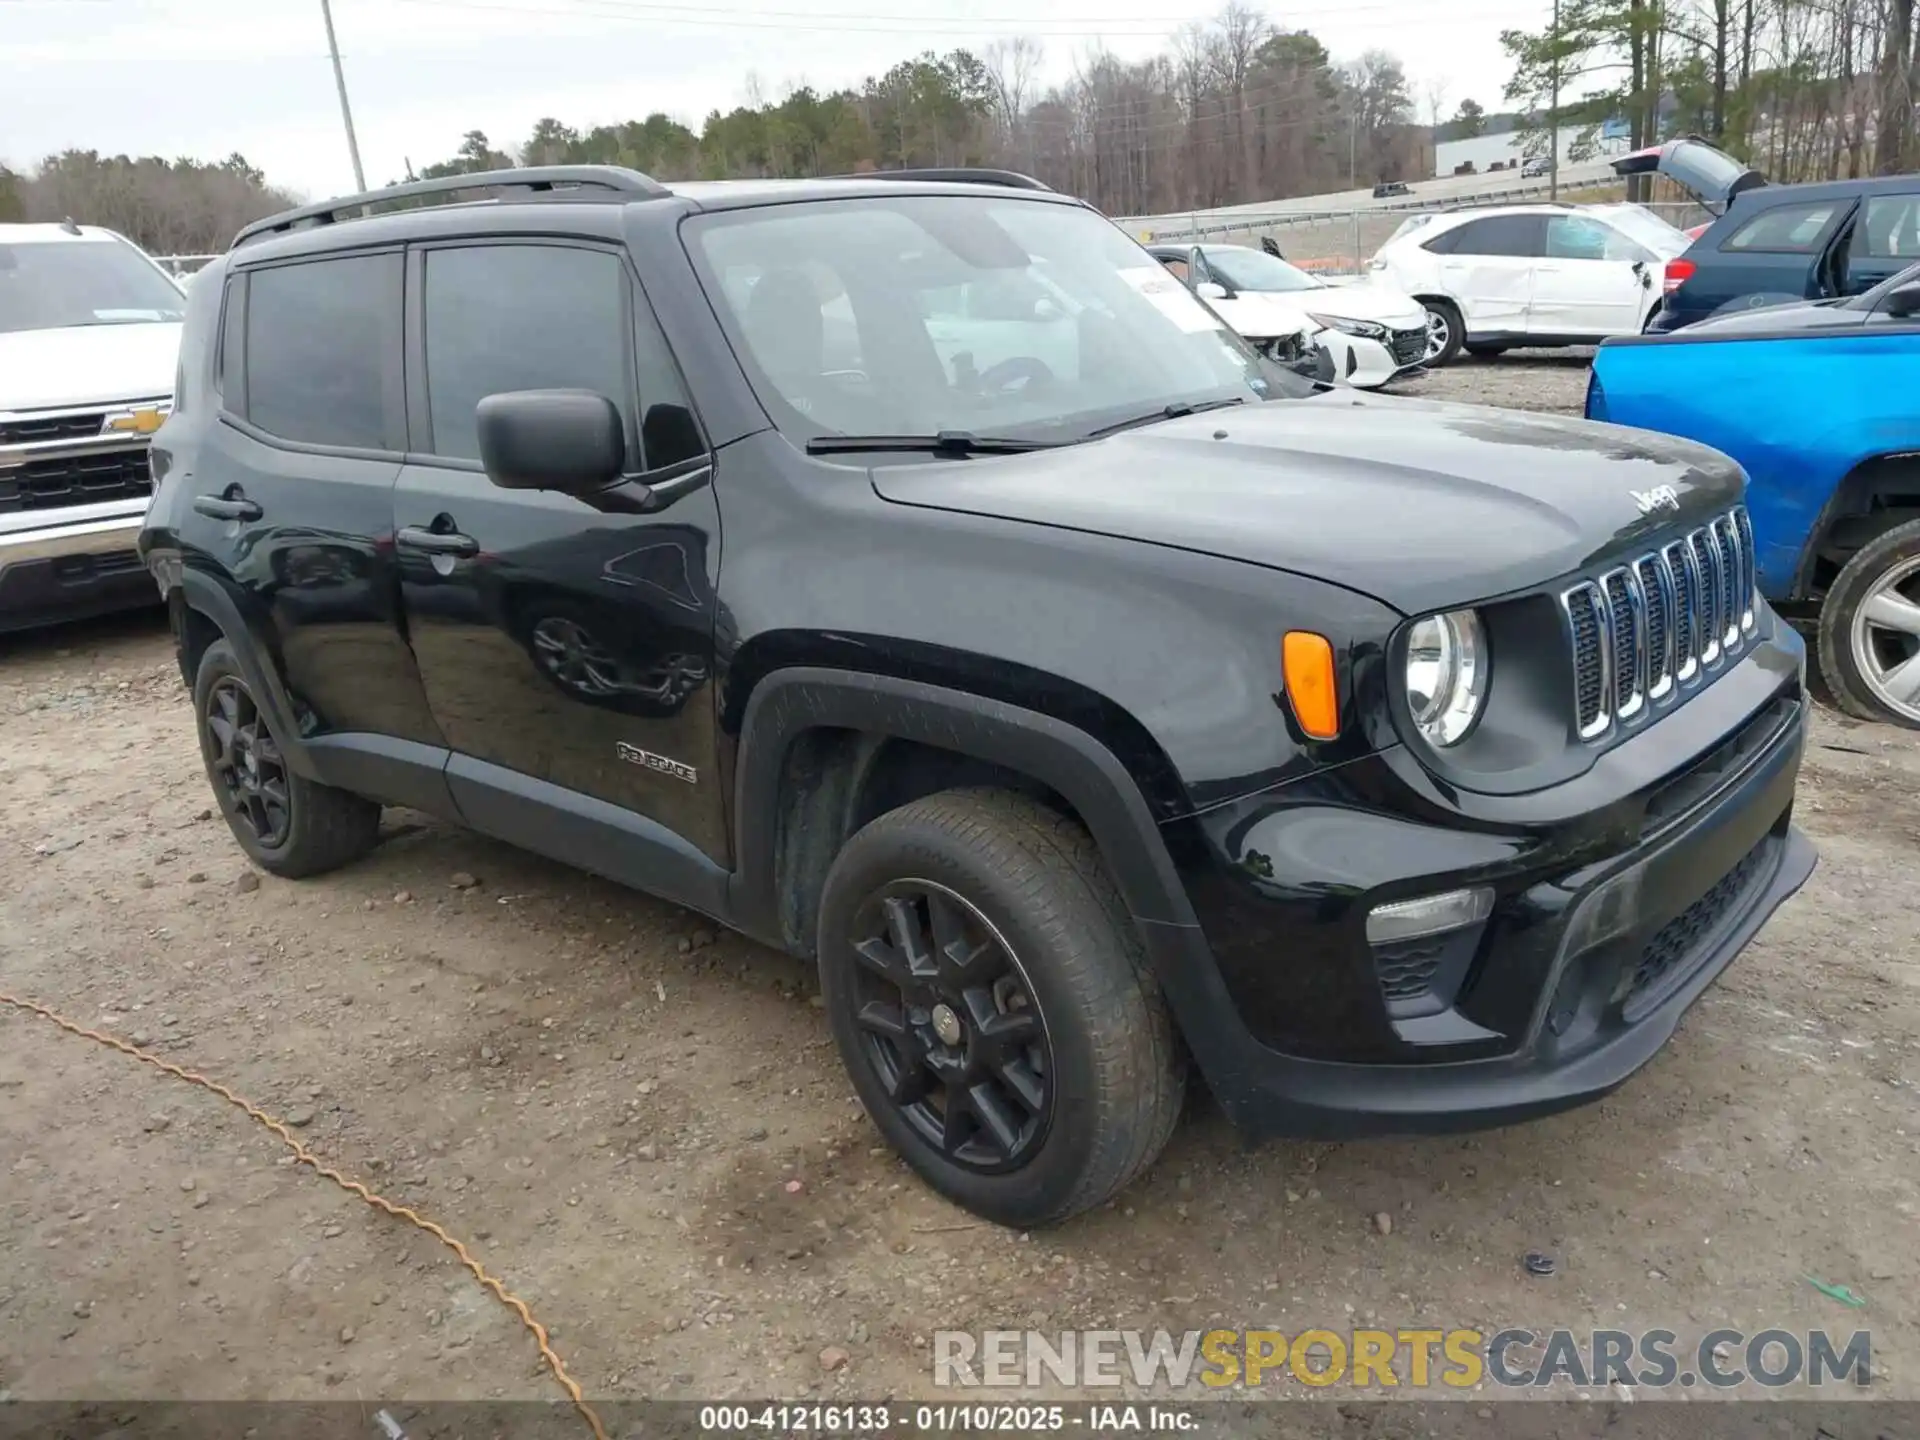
[(1333, 243), (1531, 190), (1217, 223)]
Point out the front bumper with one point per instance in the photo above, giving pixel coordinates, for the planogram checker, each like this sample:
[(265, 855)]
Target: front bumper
[(1364, 364), (71, 564), (1607, 927)]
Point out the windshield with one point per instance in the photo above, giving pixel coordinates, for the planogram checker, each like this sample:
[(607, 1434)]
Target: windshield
[(1245, 269), (917, 314), (49, 285)]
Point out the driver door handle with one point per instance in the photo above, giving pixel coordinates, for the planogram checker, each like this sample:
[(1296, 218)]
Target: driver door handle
[(223, 507), (436, 542)]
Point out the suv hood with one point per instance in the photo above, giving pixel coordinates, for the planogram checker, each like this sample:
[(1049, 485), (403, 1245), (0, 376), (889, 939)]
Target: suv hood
[(1711, 176), (1771, 319), (87, 365), (1421, 504)]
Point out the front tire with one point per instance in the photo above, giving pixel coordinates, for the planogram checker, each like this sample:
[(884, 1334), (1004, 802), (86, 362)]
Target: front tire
[(991, 999), (1870, 629), (289, 825), (1446, 332)]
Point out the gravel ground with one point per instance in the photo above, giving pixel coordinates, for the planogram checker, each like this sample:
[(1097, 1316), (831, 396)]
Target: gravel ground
[(643, 1128), (1519, 380)]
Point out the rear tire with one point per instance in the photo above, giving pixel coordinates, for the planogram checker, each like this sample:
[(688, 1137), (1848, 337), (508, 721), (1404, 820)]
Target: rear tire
[(1870, 630), (288, 825), (1040, 1074), (1446, 332)]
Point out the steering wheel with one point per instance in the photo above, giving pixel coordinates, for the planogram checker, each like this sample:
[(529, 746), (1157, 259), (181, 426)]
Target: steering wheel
[(1020, 373)]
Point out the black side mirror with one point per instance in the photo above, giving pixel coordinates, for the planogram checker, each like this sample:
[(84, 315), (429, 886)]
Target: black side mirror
[(1903, 303), (566, 440)]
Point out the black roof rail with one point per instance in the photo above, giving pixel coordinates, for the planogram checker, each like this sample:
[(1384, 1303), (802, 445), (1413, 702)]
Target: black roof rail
[(537, 180), (959, 174)]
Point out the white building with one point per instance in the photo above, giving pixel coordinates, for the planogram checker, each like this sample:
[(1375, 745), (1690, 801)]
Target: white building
[(1484, 150)]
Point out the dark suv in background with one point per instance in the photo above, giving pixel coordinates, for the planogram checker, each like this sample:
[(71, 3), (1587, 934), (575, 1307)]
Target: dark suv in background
[(1086, 697), (1777, 244)]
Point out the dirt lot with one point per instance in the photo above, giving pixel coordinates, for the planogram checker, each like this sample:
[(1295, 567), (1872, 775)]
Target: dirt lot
[(611, 1106)]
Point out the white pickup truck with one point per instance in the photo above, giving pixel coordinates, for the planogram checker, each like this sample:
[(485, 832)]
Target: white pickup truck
[(89, 347)]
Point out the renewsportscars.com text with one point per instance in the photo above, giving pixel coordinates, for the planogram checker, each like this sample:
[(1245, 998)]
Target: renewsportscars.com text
[(1388, 1359)]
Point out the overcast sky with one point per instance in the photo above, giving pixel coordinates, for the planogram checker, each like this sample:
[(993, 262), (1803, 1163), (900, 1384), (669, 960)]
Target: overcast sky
[(207, 77)]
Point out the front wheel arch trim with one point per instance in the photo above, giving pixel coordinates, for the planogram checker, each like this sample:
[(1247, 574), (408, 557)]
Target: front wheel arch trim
[(1843, 503), (1066, 759), (1073, 764)]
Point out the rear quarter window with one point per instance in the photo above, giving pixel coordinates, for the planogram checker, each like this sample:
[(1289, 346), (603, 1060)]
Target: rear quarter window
[(1795, 229)]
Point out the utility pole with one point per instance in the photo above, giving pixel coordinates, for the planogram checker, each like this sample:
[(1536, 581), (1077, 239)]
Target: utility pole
[(1553, 113), (340, 84), (1353, 132)]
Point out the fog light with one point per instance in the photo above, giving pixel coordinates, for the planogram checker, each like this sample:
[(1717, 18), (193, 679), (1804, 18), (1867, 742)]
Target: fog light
[(1428, 915)]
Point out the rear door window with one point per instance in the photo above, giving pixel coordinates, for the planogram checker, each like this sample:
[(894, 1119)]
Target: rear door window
[(323, 352), (1796, 229), (1516, 236)]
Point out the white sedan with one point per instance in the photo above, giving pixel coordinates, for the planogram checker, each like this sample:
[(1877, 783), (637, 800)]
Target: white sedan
[(1372, 331)]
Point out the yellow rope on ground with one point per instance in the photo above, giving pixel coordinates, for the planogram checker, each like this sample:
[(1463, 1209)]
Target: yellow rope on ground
[(353, 1187)]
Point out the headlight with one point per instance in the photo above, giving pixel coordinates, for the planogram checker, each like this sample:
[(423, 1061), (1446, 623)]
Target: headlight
[(1365, 329), (1446, 674)]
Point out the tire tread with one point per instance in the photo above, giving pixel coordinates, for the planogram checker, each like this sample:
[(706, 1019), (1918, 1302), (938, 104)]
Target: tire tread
[(1056, 875), (1835, 640), (331, 827)]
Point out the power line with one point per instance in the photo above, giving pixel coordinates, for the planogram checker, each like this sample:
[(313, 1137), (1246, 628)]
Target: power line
[(843, 22)]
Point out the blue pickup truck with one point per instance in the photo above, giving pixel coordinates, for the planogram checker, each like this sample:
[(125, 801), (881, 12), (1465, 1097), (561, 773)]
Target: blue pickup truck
[(1820, 402)]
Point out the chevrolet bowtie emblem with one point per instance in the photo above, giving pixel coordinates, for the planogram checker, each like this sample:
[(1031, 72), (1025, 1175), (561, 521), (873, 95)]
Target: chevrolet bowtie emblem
[(142, 421)]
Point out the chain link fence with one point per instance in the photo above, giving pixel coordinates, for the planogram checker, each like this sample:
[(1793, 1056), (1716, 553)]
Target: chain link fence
[(1333, 244)]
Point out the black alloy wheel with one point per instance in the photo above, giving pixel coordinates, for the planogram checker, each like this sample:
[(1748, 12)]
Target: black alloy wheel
[(247, 765), (288, 823), (950, 1027), (992, 1000)]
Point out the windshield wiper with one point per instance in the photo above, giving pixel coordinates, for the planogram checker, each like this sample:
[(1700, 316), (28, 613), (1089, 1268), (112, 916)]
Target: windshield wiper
[(1166, 412), (946, 442)]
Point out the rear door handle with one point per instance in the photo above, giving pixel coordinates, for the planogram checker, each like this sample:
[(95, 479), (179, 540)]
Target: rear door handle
[(222, 507), (436, 542)]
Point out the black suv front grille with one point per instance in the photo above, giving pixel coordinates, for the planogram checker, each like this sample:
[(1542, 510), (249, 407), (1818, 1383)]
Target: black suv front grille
[(1657, 624), (57, 480), (1409, 346), (39, 429)]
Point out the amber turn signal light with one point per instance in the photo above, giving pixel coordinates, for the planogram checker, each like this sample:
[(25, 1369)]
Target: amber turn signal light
[(1307, 661)]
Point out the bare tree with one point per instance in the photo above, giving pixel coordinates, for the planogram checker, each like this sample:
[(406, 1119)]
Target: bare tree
[(1011, 66), (1239, 32), (1894, 152)]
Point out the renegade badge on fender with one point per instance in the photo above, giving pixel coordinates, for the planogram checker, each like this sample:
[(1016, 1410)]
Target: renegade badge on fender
[(1091, 700)]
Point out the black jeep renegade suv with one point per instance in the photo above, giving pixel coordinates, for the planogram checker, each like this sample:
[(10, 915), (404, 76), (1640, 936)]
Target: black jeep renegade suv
[(907, 572)]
